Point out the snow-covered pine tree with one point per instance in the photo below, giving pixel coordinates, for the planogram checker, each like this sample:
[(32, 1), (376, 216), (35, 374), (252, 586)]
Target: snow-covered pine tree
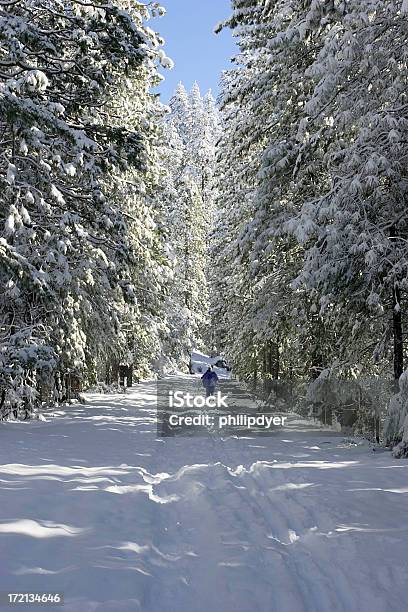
[(189, 137), (230, 288), (318, 257), (262, 101), (136, 192), (180, 113), (357, 255), (66, 250)]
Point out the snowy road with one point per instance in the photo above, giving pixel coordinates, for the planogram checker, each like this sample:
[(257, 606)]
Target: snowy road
[(100, 509)]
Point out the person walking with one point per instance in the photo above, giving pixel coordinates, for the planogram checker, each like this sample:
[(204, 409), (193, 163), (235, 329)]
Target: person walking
[(209, 380)]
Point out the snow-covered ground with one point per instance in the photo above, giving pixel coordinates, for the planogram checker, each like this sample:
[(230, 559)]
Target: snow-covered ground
[(99, 508)]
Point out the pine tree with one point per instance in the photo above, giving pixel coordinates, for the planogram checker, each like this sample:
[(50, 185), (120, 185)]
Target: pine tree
[(360, 217), (190, 133), (311, 248), (67, 250)]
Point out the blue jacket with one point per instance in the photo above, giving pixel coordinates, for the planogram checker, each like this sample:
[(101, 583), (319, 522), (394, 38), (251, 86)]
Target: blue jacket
[(209, 379)]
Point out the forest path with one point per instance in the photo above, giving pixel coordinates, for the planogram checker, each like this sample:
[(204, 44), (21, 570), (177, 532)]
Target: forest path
[(98, 507)]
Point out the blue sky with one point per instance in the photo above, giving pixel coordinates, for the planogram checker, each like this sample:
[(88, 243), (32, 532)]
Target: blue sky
[(198, 53)]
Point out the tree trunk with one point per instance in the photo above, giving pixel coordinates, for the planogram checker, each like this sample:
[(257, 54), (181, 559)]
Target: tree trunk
[(255, 373), (317, 357), (265, 372), (397, 332), (274, 364)]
